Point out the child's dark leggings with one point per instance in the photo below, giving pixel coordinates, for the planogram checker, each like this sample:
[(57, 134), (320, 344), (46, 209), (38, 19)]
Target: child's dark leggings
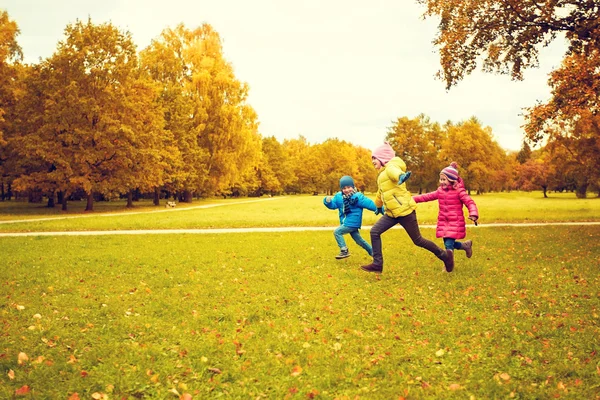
[(410, 225)]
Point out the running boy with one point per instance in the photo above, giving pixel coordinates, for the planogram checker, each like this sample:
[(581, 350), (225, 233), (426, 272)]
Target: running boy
[(350, 204)]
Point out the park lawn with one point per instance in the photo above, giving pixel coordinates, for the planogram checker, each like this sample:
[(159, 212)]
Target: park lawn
[(288, 211), (274, 315)]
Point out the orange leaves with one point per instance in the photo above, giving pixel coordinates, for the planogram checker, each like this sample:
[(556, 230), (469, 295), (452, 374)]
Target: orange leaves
[(74, 396), (11, 374), (296, 371), (23, 390), (502, 377), (22, 358), (238, 348)]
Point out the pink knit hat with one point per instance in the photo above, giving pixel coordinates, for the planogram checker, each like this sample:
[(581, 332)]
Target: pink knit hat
[(451, 172), (384, 153)]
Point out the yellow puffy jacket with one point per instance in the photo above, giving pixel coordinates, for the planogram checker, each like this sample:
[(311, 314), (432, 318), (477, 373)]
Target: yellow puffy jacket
[(396, 199)]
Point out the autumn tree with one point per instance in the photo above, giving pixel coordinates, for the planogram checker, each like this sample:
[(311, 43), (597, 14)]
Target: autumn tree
[(98, 128), (481, 160), (506, 35), (366, 174), (571, 118), (418, 141), (205, 108), (304, 164), (10, 55), (524, 154), (275, 170), (539, 171)]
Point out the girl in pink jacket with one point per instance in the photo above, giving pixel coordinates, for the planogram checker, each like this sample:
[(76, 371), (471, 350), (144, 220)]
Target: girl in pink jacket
[(451, 196)]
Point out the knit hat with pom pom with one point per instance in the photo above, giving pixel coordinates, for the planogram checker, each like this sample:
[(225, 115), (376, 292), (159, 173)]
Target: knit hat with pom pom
[(451, 172)]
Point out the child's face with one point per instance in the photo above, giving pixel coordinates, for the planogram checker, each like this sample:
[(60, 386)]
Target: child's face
[(444, 180), (347, 189), (376, 163)]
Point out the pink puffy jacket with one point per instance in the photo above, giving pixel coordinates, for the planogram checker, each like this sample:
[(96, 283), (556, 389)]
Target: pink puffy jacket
[(451, 220)]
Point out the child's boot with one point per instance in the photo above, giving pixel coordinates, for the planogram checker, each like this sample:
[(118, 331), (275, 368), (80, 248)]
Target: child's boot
[(447, 256), (372, 268), (343, 254), (467, 246)]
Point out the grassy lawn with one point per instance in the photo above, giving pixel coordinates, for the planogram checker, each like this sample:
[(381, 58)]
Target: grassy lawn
[(280, 211), (274, 315)]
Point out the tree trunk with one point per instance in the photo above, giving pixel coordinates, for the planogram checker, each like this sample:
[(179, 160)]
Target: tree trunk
[(545, 191), (50, 200), (581, 191), (2, 192), (130, 199), (156, 196), (35, 196), (187, 196), (64, 201), (90, 202)]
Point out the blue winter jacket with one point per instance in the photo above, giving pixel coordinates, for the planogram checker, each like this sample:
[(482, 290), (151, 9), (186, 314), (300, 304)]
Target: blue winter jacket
[(352, 218)]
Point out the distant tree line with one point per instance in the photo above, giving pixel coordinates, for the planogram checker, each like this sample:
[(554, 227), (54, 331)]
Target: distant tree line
[(97, 120)]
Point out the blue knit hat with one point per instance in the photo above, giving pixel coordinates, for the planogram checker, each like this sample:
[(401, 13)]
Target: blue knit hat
[(346, 181)]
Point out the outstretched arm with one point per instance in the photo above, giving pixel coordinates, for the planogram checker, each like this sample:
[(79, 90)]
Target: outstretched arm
[(422, 198)]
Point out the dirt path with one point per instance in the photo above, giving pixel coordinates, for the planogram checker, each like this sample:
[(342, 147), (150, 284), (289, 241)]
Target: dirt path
[(248, 230)]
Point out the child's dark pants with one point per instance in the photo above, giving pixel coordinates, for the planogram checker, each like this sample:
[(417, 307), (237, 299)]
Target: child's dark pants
[(410, 225)]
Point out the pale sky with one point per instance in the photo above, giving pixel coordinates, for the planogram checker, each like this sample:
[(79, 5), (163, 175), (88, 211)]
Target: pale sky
[(322, 69)]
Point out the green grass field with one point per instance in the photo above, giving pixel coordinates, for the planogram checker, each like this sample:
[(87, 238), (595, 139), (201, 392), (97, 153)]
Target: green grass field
[(278, 211), (274, 315)]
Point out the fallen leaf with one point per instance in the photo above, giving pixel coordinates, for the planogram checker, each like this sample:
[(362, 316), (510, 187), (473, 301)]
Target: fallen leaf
[(74, 396), (11, 374), (454, 386), (440, 352), (186, 396), (23, 390), (297, 370), (38, 360), (504, 376), (214, 370), (22, 358)]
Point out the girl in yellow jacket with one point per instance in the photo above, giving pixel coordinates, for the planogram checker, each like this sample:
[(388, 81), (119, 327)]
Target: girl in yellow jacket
[(396, 200)]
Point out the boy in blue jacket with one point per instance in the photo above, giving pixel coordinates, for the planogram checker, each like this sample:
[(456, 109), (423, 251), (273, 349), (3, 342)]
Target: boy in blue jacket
[(350, 204)]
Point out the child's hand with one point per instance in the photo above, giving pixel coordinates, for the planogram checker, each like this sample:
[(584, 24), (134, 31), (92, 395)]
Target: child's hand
[(379, 211), (404, 177), (473, 218), (328, 199)]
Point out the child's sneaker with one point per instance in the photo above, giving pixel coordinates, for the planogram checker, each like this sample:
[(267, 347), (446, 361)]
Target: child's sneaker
[(343, 254)]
